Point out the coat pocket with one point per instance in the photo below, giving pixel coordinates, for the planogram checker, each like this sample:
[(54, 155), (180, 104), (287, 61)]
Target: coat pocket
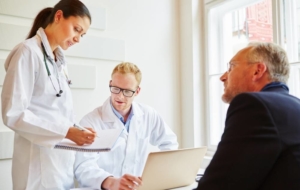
[(56, 168)]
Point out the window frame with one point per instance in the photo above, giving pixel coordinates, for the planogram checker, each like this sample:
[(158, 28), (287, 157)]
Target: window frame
[(214, 44)]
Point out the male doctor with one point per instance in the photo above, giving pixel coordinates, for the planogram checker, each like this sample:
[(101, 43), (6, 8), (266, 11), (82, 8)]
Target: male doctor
[(121, 167)]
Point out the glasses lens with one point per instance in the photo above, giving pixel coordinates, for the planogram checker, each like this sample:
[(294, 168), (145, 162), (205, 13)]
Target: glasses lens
[(229, 66), (115, 90), (127, 93)]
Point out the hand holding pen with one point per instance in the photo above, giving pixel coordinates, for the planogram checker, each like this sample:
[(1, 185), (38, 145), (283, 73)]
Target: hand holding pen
[(81, 135), (90, 130)]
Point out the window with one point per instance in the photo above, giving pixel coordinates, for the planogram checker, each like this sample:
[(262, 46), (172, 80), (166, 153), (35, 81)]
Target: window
[(291, 25), (291, 41), (231, 25)]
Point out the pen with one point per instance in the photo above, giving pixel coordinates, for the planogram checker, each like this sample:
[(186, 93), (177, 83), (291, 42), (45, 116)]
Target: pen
[(83, 129)]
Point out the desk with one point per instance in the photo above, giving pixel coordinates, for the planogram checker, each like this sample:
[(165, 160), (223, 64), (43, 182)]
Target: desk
[(192, 186), (189, 187)]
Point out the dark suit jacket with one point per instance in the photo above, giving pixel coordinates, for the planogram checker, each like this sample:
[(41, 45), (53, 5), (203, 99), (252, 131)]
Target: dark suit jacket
[(260, 146)]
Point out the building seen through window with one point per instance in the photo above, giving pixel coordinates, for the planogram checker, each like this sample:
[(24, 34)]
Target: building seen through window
[(231, 26)]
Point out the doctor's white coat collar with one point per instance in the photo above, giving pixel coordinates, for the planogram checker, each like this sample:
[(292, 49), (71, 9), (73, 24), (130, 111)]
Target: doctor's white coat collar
[(109, 115), (60, 57)]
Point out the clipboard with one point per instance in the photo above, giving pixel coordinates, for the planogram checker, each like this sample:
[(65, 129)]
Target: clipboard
[(104, 143)]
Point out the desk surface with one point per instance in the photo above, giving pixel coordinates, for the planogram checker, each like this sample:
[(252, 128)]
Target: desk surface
[(192, 186), (189, 187)]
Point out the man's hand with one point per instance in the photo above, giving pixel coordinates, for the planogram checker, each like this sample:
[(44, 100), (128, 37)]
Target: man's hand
[(81, 137), (126, 182)]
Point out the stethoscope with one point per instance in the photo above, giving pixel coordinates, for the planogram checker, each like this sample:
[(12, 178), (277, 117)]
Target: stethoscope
[(56, 71)]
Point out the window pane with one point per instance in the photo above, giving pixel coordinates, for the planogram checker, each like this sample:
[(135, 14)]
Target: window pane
[(230, 31), (298, 27), (292, 29), (294, 80), (238, 28), (218, 109), (252, 23)]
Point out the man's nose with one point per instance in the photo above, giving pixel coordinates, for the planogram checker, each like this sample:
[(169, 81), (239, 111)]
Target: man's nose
[(224, 77)]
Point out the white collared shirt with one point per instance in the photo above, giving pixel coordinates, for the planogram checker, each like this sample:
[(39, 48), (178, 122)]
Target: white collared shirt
[(130, 151)]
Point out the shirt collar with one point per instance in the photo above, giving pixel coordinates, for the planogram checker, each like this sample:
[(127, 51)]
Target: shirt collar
[(120, 116), (275, 85), (58, 51)]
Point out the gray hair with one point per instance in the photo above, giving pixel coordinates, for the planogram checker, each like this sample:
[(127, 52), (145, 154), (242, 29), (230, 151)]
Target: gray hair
[(273, 56)]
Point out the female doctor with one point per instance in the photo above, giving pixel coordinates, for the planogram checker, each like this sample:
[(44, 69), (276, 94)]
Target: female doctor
[(37, 101)]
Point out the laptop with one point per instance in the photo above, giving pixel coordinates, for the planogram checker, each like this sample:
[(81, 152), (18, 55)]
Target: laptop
[(172, 168)]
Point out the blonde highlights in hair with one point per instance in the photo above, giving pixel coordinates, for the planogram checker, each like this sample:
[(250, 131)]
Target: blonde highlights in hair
[(127, 68)]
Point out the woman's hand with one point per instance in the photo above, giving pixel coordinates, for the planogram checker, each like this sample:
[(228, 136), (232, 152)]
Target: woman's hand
[(81, 137)]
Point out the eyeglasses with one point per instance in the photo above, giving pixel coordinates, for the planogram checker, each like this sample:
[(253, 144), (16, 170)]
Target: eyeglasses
[(117, 90), (229, 66)]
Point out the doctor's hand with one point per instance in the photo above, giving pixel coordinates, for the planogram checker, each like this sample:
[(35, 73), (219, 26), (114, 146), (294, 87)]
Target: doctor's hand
[(126, 182), (81, 137)]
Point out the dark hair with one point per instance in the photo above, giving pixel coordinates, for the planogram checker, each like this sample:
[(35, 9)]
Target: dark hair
[(68, 7)]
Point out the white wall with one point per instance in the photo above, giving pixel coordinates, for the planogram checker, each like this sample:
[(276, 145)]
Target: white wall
[(149, 31)]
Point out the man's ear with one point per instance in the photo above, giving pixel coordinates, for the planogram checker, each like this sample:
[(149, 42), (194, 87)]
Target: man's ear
[(137, 91), (260, 70)]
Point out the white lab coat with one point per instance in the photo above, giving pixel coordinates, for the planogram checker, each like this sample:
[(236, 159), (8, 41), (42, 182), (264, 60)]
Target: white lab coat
[(39, 118), (130, 151)]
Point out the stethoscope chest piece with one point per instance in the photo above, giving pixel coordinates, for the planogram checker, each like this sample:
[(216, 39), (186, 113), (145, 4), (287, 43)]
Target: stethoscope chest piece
[(59, 93)]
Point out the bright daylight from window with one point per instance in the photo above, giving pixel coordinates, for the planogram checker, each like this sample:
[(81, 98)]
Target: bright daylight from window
[(292, 43), (237, 25)]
